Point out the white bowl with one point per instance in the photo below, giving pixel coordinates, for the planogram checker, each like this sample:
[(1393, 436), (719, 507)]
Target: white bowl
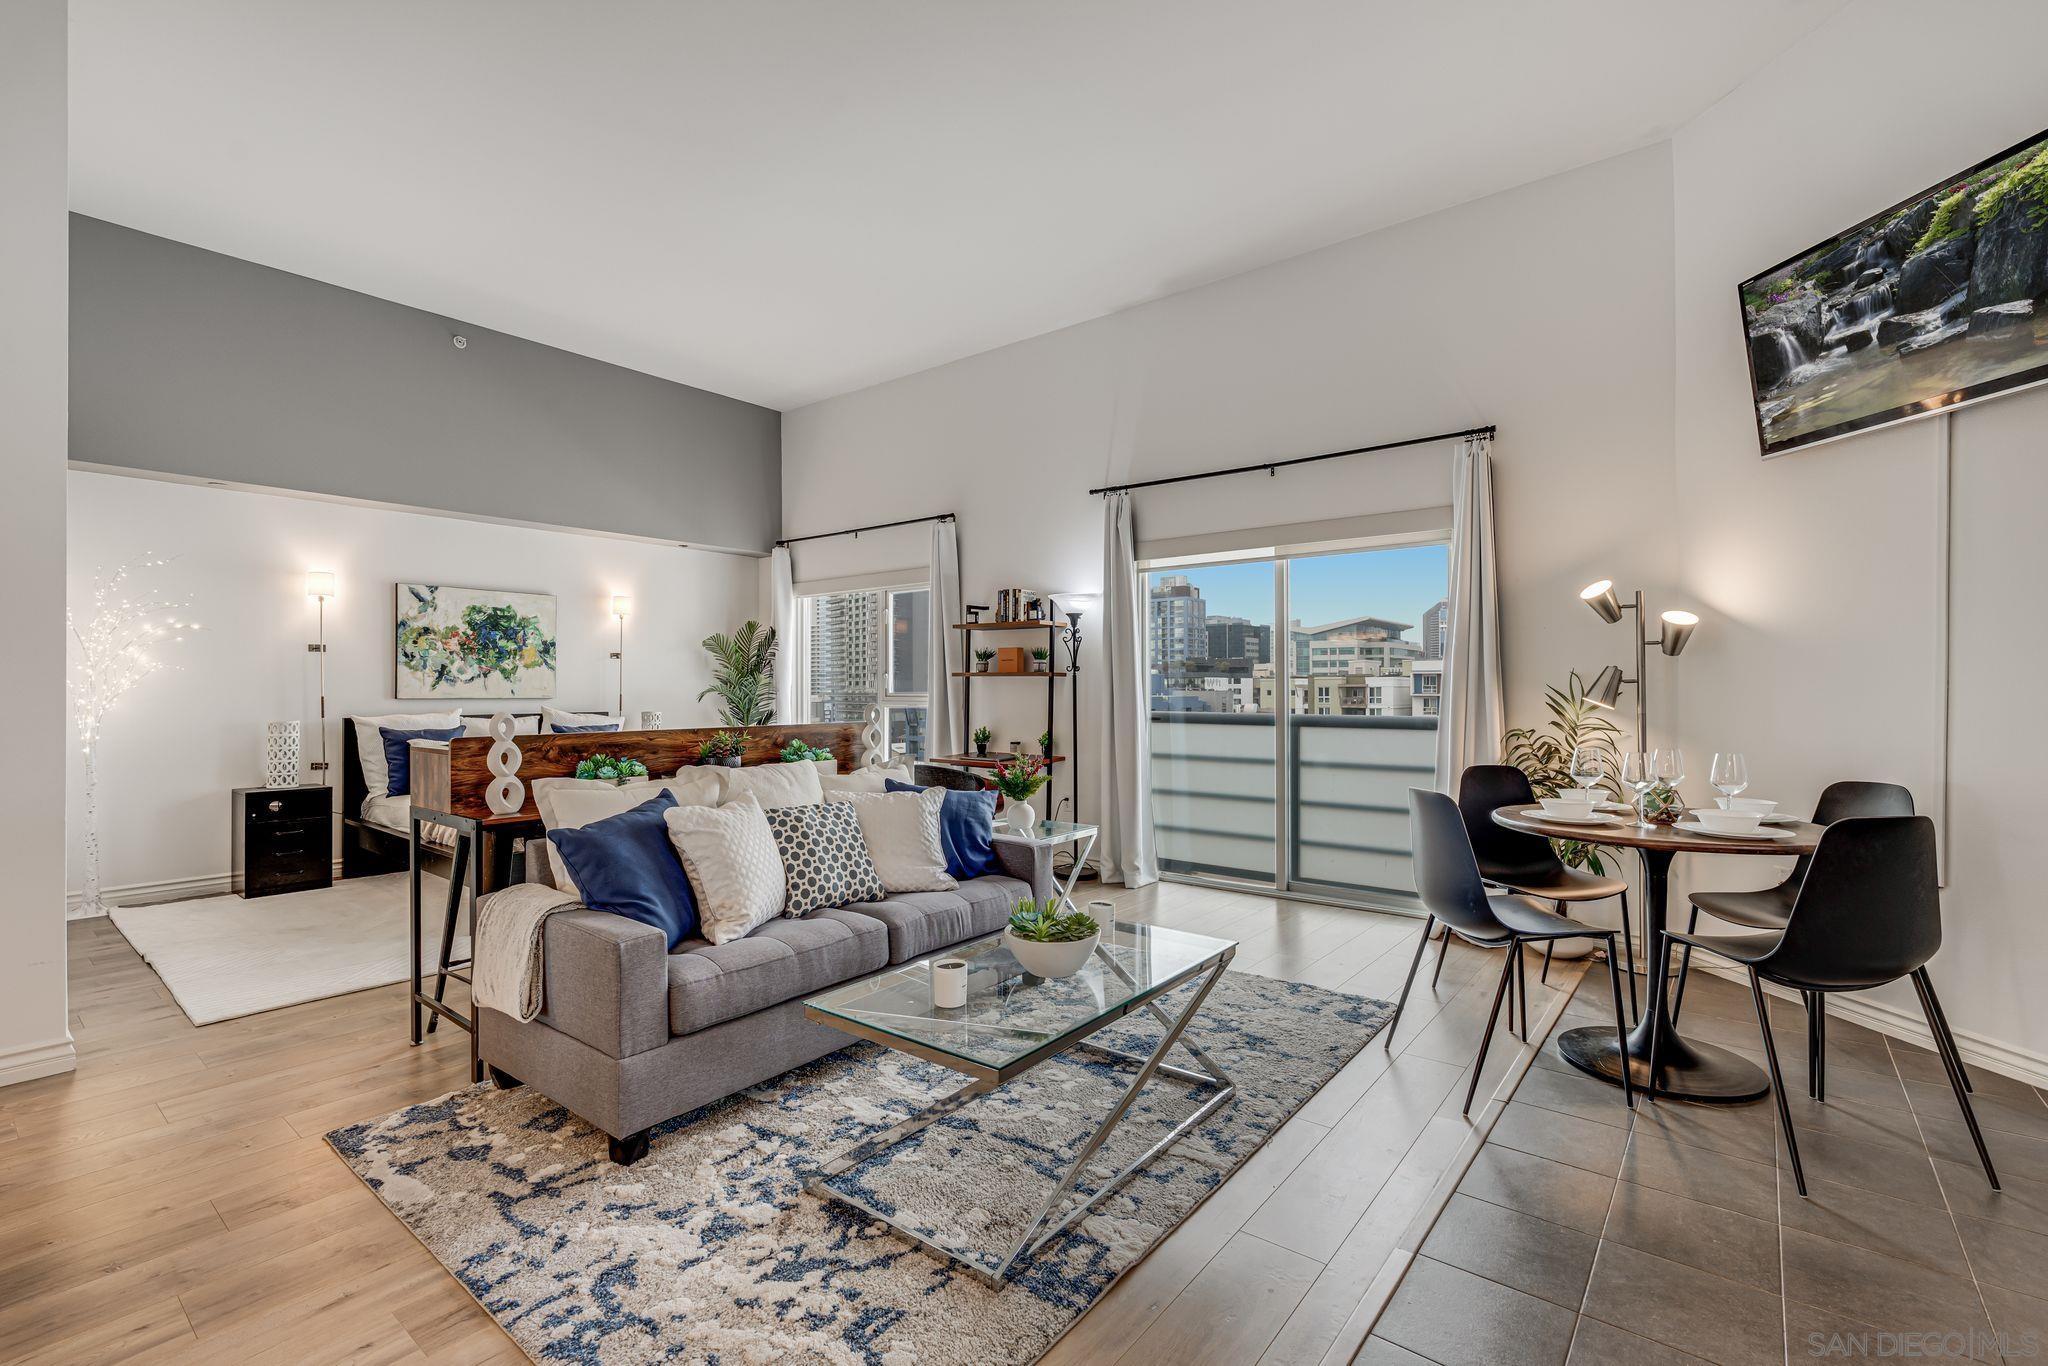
[(1759, 806), (1566, 806), (1729, 822), (1050, 960)]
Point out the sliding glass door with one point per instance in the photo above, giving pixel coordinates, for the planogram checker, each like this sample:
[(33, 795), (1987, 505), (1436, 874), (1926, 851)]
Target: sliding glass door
[(1283, 756)]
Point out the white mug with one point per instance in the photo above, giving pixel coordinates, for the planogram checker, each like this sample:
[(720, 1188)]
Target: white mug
[(949, 983)]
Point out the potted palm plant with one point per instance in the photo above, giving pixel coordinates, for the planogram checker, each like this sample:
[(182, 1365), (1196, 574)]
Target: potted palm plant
[(742, 674)]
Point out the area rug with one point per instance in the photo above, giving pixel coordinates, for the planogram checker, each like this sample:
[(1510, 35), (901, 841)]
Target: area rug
[(709, 1249), (225, 956)]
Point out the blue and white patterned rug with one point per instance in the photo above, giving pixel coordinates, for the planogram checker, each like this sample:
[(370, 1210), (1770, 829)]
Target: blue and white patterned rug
[(710, 1251)]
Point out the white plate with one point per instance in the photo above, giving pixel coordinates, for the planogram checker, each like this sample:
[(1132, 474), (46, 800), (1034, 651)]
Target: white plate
[(1781, 818), (1540, 814), (1696, 828)]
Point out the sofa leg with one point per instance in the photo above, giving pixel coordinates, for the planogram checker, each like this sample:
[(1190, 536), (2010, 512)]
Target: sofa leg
[(501, 1079), (630, 1149)]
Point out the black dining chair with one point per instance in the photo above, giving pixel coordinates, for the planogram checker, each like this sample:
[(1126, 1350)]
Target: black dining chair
[(1527, 863), (1868, 913), (1768, 909), (1447, 879)]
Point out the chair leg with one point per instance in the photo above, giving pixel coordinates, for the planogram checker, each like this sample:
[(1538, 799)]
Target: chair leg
[(1521, 990), (1443, 947), (1945, 1044), (1817, 1024), (1628, 949), (1684, 966), (1942, 1016), (1628, 1091), (1544, 976), (1763, 1021), (1507, 974), (1409, 980)]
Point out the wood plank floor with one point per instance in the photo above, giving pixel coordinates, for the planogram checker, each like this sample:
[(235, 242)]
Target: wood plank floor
[(173, 1201)]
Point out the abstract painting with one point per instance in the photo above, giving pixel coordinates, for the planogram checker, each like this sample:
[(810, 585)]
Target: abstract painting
[(474, 642)]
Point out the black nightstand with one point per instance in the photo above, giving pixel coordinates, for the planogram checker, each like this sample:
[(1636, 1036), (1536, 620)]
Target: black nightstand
[(284, 839)]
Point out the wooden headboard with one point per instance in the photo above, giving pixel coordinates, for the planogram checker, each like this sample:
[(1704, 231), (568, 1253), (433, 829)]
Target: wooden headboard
[(456, 779)]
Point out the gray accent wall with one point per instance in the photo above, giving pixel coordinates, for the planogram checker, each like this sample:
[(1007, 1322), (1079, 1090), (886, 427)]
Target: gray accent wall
[(192, 364)]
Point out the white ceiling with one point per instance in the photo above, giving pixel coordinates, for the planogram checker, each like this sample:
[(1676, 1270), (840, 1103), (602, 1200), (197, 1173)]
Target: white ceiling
[(788, 199)]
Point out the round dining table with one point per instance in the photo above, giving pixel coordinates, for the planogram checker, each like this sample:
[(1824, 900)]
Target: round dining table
[(1684, 1068)]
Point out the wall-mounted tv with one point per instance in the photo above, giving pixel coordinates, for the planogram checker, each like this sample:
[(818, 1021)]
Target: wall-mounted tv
[(1940, 300)]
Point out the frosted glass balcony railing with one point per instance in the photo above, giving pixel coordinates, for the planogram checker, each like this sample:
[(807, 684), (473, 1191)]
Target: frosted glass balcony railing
[(1213, 792)]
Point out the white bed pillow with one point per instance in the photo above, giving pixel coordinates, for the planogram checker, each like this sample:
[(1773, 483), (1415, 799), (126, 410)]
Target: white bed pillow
[(370, 744), (474, 726), (902, 834), (555, 718), (572, 803), (862, 780), (774, 785), (735, 869)]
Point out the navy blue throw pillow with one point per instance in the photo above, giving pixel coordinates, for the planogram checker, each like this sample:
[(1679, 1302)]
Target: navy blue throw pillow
[(625, 864), (398, 754), (584, 730), (967, 828)]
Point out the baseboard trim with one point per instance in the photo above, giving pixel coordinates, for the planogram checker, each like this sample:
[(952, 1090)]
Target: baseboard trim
[(149, 893), (1978, 1050), (31, 1061)]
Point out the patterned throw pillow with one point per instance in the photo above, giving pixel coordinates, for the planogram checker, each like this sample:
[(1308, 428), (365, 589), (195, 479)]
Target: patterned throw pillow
[(824, 859)]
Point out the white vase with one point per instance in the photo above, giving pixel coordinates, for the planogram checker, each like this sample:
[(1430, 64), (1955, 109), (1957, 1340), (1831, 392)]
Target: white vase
[(1021, 817), (281, 753), (650, 720)]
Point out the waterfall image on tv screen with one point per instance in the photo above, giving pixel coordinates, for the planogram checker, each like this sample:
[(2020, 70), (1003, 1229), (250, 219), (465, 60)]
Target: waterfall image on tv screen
[(1939, 300)]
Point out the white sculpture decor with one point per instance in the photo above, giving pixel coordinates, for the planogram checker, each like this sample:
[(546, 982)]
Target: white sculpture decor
[(874, 747), (281, 753), (117, 648), (506, 794), (650, 720)]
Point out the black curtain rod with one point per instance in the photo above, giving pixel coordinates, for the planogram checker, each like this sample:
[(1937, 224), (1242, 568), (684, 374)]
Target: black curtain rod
[(857, 530), (1268, 466)]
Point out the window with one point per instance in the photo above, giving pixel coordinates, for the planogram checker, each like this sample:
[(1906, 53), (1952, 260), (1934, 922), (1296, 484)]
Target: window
[(866, 649)]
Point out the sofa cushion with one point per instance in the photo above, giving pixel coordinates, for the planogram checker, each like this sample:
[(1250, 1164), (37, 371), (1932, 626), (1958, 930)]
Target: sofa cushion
[(783, 959), (925, 922)]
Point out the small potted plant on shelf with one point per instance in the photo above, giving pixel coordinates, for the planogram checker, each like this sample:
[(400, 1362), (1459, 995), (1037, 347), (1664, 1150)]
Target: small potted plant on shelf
[(797, 752), (604, 768), (1049, 942), (982, 735), (723, 749), (1018, 780), (984, 660), (1045, 743), (1041, 659)]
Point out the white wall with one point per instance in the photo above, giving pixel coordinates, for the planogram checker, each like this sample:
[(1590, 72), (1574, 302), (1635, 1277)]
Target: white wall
[(34, 1040), (1546, 310), (177, 744), (1818, 573)]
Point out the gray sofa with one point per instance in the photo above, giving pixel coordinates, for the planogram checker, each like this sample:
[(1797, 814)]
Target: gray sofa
[(633, 1035)]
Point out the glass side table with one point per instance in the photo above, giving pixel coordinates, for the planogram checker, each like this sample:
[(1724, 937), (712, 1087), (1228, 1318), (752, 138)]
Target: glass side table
[(1052, 834)]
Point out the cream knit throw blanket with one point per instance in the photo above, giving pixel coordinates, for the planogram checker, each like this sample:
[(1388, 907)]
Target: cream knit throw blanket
[(508, 973)]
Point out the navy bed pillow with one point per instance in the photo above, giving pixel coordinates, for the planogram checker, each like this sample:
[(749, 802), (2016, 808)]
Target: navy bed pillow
[(585, 730), (398, 754), (625, 865), (967, 828)]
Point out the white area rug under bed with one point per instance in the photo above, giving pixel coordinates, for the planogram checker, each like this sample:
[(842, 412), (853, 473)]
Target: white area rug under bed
[(224, 957)]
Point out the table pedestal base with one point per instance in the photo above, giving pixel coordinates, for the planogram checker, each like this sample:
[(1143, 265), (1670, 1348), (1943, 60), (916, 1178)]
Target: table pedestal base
[(1707, 1073)]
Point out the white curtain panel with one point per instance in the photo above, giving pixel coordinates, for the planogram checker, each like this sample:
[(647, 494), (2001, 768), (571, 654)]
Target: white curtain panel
[(1123, 710), (782, 608), (943, 725), (1470, 728)]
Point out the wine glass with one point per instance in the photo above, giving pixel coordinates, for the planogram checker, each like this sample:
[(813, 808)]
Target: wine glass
[(1667, 766), (1638, 775), (1586, 768), (1730, 777)]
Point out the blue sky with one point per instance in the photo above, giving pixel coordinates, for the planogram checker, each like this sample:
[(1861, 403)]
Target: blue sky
[(1398, 584)]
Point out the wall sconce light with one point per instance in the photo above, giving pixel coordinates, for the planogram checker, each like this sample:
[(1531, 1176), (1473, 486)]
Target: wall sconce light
[(622, 607), (1675, 628), (320, 586)]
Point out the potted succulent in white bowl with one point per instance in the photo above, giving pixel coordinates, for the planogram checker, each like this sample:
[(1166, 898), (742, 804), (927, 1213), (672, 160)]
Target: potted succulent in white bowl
[(605, 768), (1048, 942)]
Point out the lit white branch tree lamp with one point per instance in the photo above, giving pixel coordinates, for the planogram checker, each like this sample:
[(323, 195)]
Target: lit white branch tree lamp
[(118, 648)]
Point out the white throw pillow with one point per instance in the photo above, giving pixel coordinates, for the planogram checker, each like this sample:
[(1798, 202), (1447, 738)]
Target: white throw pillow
[(774, 785), (902, 834), (558, 719), (473, 726), (572, 803), (735, 869), (862, 780), (370, 744)]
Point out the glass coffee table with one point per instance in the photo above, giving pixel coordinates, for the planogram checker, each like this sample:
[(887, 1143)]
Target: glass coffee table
[(1011, 1023)]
